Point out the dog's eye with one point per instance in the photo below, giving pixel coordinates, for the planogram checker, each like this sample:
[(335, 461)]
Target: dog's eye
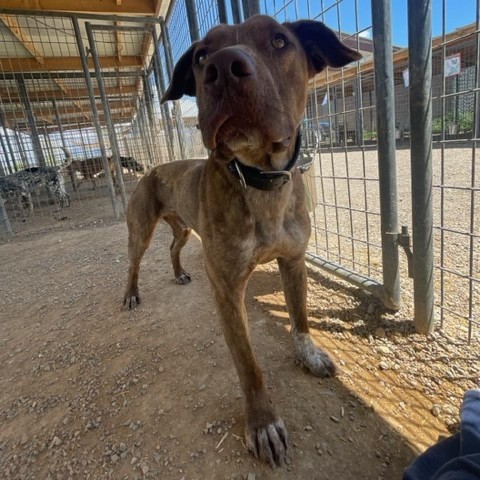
[(201, 57), (280, 41)]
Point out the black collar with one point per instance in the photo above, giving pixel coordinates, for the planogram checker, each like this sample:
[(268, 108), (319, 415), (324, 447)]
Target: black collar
[(266, 180)]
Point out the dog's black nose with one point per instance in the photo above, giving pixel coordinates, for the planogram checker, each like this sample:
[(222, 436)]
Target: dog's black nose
[(228, 64)]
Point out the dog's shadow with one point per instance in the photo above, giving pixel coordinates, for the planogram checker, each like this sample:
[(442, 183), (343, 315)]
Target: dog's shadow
[(340, 307)]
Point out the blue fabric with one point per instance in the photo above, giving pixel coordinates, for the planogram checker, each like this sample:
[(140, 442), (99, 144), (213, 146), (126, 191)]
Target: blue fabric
[(456, 457)]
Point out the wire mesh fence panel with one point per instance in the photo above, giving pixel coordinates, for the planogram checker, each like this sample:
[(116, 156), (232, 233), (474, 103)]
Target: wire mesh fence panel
[(455, 125), (135, 122), (205, 15), (47, 131), (339, 131)]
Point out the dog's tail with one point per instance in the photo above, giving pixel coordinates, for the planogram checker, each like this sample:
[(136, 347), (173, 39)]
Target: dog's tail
[(68, 158)]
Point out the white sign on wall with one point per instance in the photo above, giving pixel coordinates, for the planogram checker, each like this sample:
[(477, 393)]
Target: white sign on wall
[(453, 65), (406, 78)]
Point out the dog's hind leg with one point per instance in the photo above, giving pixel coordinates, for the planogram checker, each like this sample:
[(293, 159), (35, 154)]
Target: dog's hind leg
[(181, 233), (142, 217)]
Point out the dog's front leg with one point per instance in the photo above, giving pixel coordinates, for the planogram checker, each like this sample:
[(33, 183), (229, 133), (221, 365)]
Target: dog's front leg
[(294, 280), (265, 433)]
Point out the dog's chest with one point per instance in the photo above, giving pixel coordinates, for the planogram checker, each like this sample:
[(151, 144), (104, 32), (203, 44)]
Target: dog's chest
[(276, 231), (276, 239)]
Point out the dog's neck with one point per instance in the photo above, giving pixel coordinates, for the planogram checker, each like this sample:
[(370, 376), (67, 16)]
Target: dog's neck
[(266, 179)]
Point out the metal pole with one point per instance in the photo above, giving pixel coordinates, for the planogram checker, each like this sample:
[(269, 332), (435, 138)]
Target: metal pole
[(250, 7), (144, 128), (4, 221), (72, 174), (420, 68), (253, 7), (385, 105), (147, 95), (150, 117), (222, 11), (96, 121), (160, 84), (37, 146), (9, 146), (2, 168), (192, 21), (106, 110), (177, 108), (18, 141), (236, 11), (48, 143)]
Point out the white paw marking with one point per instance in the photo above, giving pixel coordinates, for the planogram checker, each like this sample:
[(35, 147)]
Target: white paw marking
[(313, 357)]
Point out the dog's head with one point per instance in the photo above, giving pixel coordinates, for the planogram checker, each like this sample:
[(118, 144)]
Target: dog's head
[(251, 81)]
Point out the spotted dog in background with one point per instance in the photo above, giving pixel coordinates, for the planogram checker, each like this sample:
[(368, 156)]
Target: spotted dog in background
[(15, 192), (50, 178)]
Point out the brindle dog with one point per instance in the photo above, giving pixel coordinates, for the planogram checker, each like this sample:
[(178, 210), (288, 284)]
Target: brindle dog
[(247, 200)]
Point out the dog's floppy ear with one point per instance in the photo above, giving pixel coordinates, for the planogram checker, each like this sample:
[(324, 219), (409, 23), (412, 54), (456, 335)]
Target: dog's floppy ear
[(322, 46), (183, 80)]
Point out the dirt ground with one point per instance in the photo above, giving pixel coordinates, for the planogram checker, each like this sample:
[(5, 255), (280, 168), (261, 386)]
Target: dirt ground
[(89, 391)]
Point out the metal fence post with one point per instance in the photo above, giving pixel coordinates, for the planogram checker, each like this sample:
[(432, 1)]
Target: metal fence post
[(192, 21), (5, 154), (96, 120), (160, 84), (20, 149), (420, 79), (9, 144), (385, 104), (143, 122), (37, 146), (222, 11), (5, 225), (236, 11), (250, 7), (108, 118), (167, 46)]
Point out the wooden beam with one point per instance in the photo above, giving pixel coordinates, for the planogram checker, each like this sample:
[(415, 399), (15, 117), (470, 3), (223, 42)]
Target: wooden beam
[(75, 109), (8, 96), (23, 37), (126, 7), (19, 65), (125, 116), (77, 104)]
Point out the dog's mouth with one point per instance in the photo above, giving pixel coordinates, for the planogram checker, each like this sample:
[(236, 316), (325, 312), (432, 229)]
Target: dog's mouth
[(229, 133)]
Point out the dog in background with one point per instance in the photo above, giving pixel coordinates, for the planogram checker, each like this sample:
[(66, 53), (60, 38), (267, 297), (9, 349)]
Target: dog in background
[(16, 192), (247, 200), (50, 178), (21, 184), (87, 168), (130, 164)]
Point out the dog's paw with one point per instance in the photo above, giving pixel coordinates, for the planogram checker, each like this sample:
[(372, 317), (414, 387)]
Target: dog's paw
[(269, 443), (183, 279), (313, 357), (131, 301)]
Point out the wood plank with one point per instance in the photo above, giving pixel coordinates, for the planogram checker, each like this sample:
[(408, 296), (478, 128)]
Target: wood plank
[(10, 96), (22, 36), (19, 116), (20, 65), (126, 7)]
